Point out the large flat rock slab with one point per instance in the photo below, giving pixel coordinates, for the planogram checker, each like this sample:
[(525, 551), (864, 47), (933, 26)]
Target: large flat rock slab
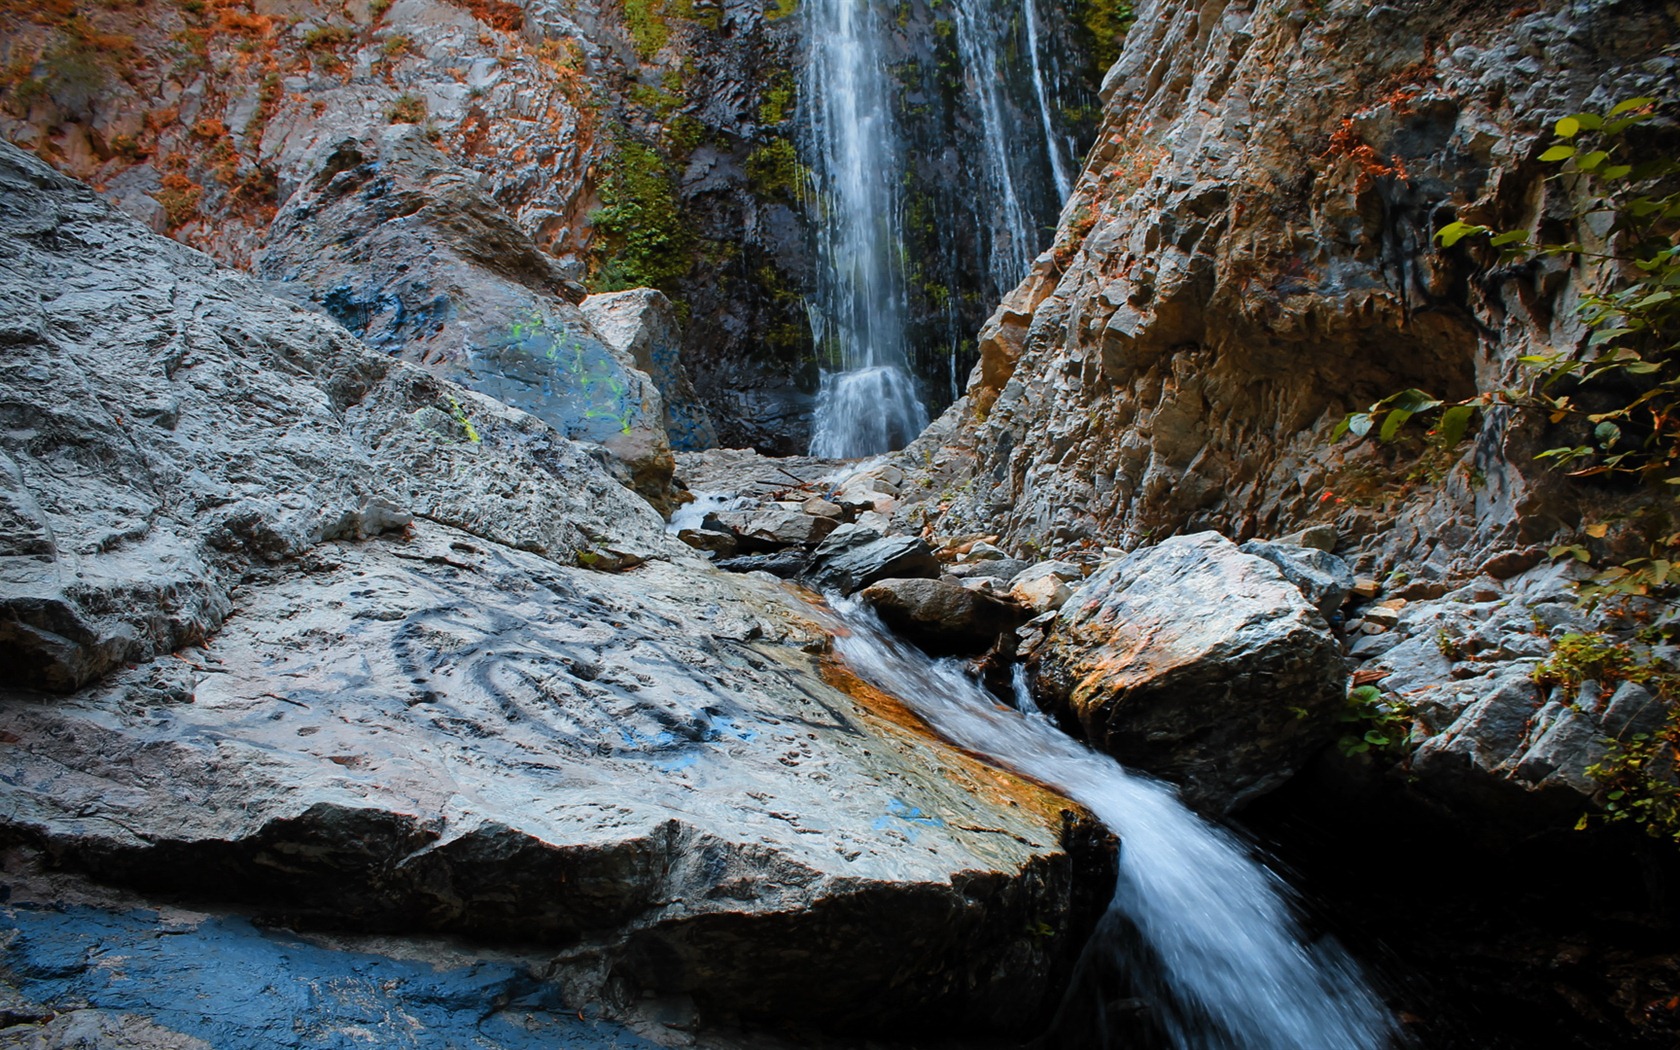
[(289, 623)]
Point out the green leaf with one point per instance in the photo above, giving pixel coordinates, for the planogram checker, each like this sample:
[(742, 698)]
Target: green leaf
[(1604, 335), (1626, 104), (1411, 400), (1590, 121), (1453, 232), (1375, 738), (1591, 160), (1454, 421), (1607, 434), (1567, 128), (1359, 423), (1509, 237), (1615, 171), (1392, 424), (1557, 153)]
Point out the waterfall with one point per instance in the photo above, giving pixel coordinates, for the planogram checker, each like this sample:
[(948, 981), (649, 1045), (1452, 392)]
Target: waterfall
[(1041, 94), (1213, 947), (953, 103), (870, 405)]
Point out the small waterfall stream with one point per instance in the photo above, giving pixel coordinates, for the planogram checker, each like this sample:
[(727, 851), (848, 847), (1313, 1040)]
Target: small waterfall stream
[(1232, 967)]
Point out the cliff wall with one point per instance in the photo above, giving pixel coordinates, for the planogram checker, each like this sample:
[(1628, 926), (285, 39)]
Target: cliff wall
[(1248, 256)]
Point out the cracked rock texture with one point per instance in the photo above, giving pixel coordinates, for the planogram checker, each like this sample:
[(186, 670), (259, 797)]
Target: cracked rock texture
[(293, 624), (1235, 271)]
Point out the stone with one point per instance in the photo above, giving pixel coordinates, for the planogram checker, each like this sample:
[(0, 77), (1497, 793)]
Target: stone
[(463, 291), (983, 552), (822, 508), (1323, 578), (1365, 588), (853, 557), (712, 541), (642, 324), (1045, 586), (943, 618), (1315, 537), (1198, 663), (1506, 564), (446, 724), (1000, 569)]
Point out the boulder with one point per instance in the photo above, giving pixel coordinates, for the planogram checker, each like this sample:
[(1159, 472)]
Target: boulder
[(642, 324), (333, 656), (1198, 663), (853, 557), (407, 250), (1046, 585), (943, 618), (1323, 578), (771, 527)]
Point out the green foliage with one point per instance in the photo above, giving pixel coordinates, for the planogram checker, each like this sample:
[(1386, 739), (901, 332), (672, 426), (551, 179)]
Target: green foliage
[(1620, 393), (1107, 21), (1637, 774), (780, 9), (777, 101), (1375, 722), (642, 239)]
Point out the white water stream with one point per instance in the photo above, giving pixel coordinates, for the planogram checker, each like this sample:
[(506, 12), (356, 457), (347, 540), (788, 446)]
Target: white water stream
[(1234, 969)]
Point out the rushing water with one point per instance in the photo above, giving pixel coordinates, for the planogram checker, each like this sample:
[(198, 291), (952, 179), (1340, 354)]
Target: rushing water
[(1005, 166), (856, 163), (1232, 967)]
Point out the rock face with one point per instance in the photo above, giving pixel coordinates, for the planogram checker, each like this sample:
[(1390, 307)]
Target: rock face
[(1197, 663), (1248, 256), (330, 638), (642, 323), (474, 300)]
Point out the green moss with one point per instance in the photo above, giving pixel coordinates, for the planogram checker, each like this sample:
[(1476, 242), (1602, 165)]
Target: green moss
[(777, 101), (642, 240), (1107, 22), (648, 26), (774, 171), (780, 9)]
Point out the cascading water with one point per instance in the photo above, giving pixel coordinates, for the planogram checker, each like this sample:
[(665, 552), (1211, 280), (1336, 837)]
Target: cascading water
[(870, 405), (1233, 969), (907, 232)]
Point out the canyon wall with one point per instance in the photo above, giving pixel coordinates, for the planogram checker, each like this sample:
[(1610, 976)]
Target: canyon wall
[(1248, 256)]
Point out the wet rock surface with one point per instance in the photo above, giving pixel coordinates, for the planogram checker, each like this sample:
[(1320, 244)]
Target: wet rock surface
[(1225, 702), (319, 646)]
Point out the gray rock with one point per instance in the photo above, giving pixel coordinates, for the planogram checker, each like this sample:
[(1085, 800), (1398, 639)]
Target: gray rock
[(1001, 569), (1325, 579), (853, 557), (943, 618), (447, 725), (407, 250), (642, 323), (1198, 663)]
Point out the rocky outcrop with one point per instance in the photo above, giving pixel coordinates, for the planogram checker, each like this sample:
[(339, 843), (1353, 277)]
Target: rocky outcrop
[(1198, 663), (408, 251), (1248, 256), (855, 556), (331, 637)]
